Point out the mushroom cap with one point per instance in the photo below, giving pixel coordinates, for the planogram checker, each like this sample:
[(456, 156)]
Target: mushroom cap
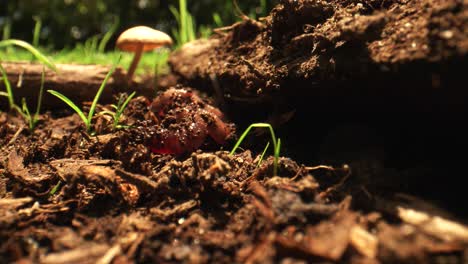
[(150, 38)]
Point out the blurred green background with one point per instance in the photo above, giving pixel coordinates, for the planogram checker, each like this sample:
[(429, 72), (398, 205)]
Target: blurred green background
[(64, 23)]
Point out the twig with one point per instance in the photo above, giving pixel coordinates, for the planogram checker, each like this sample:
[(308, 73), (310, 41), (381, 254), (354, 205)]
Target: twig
[(110, 255), (15, 202), (320, 167), (15, 136), (339, 184)]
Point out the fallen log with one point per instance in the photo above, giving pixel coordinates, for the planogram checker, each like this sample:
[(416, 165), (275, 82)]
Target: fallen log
[(78, 82)]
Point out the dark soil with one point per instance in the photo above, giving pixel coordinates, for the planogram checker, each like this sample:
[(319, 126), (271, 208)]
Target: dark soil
[(377, 82), (367, 97)]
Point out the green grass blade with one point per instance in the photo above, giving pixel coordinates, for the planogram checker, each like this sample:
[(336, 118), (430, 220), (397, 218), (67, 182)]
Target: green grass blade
[(175, 13), (241, 138), (99, 92), (37, 31), (263, 8), (26, 114), (122, 108), (276, 155), (190, 27), (18, 109), (71, 104), (9, 91), (183, 20), (93, 47), (127, 101), (176, 31), (105, 39), (6, 29), (56, 187), (90, 45), (217, 20), (41, 57), (263, 154), (276, 144), (39, 99), (258, 125), (7, 33), (107, 112)]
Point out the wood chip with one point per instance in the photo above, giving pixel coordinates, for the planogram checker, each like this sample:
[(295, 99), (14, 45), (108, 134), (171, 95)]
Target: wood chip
[(434, 225), (88, 253), (364, 242), (14, 202), (330, 239)]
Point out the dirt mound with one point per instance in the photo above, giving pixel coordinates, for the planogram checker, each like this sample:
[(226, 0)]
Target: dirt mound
[(326, 44), (352, 81)]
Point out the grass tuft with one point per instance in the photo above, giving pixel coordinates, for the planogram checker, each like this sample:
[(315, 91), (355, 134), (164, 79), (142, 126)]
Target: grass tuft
[(276, 143), (119, 109), (33, 119), (87, 119)]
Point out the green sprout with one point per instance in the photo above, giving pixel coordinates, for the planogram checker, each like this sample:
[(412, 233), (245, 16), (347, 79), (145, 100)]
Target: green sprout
[(32, 119), (276, 143), (119, 109), (24, 110), (218, 21), (109, 33), (41, 57), (37, 31), (55, 188), (87, 119), (187, 28), (263, 154), (7, 33), (9, 91)]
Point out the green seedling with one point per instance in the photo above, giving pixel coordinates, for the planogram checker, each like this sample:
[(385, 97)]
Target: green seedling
[(218, 21), (41, 57), (119, 109), (263, 154), (9, 91), (33, 119), (7, 33), (37, 31), (87, 119), (276, 143), (109, 33), (24, 110), (91, 45), (56, 188), (186, 30)]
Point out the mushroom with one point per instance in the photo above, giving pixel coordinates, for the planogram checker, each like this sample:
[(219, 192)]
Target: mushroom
[(138, 40)]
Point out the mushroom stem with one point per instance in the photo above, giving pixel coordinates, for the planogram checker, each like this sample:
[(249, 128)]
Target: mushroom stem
[(135, 61)]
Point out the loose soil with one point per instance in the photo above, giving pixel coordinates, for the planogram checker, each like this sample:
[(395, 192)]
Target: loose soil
[(367, 97)]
